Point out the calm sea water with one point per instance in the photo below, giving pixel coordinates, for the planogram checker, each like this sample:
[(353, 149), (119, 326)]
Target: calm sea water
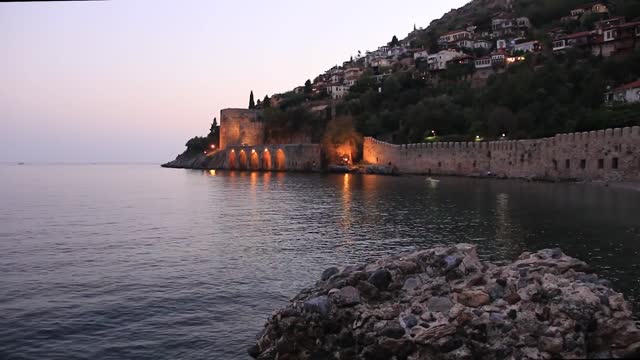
[(139, 262)]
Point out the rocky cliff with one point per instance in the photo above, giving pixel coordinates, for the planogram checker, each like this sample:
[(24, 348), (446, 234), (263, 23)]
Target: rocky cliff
[(198, 160), (445, 303)]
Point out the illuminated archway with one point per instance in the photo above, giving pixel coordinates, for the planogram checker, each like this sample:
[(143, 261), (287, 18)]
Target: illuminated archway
[(243, 160), (280, 160), (232, 160), (255, 161), (266, 160)]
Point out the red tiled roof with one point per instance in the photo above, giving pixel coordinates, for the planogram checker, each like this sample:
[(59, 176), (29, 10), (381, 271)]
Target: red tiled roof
[(631, 85), (454, 32), (575, 35)]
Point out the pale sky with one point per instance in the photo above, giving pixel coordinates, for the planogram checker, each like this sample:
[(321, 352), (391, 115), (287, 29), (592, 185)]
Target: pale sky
[(133, 80)]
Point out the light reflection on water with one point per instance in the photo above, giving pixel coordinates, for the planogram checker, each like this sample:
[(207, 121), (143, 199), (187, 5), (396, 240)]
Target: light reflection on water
[(113, 262)]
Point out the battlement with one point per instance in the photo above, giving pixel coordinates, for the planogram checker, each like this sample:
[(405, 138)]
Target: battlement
[(611, 154)]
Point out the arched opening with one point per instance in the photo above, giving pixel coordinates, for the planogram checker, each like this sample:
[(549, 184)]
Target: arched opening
[(255, 161), (281, 160), (266, 160), (232, 160), (243, 160)]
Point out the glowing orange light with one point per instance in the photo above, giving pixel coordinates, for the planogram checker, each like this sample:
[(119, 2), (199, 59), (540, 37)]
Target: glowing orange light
[(213, 146), (253, 150), (212, 172)]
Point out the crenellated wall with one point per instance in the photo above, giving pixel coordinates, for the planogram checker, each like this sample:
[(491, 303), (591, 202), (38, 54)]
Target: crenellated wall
[(297, 157), (612, 155)]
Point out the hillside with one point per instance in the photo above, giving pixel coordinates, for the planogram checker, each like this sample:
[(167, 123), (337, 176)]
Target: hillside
[(491, 69)]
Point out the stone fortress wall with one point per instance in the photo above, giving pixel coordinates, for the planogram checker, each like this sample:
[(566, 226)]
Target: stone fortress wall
[(608, 155), (240, 126), (242, 142)]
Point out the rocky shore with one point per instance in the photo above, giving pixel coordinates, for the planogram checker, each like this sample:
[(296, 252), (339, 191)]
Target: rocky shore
[(197, 160), (444, 303)]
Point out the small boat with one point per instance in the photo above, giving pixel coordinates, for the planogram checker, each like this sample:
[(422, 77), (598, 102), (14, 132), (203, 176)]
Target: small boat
[(20, 163), (432, 180)]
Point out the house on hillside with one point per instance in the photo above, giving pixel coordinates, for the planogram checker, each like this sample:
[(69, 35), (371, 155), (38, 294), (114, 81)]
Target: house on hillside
[(352, 75), (498, 59), (617, 39), (483, 62), (420, 54), (628, 93), (455, 36), (337, 91), (507, 25), (482, 44), (592, 8), (465, 44), (608, 23), (439, 60), (528, 47), (575, 40)]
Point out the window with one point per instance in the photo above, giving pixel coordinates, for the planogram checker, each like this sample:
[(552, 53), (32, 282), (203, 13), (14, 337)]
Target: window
[(608, 35), (600, 163), (583, 164), (614, 163), (555, 164), (567, 164)]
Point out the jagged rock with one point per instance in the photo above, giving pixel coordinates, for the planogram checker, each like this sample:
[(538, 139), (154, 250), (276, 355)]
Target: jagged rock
[(380, 279), (439, 304), (444, 303), (347, 296), (329, 273)]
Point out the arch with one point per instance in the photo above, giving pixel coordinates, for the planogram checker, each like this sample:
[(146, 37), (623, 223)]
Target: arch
[(281, 160), (242, 165), (266, 160), (233, 163), (254, 161)]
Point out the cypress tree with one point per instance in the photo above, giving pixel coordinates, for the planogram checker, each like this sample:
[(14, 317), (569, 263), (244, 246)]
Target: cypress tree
[(252, 104)]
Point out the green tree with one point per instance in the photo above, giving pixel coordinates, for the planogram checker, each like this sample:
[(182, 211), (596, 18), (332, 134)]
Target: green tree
[(266, 103), (252, 104)]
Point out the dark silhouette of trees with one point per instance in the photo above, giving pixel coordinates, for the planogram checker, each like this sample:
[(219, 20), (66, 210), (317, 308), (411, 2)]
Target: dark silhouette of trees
[(252, 104)]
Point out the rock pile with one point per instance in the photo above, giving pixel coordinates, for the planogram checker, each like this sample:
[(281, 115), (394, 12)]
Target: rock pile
[(444, 303)]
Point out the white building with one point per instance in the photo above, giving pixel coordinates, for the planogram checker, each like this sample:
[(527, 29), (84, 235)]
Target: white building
[(439, 60), (628, 93), (465, 44), (529, 46), (454, 36), (421, 54), (482, 44), (337, 91), (483, 63)]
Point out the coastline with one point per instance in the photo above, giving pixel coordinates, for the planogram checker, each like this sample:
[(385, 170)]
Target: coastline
[(198, 161)]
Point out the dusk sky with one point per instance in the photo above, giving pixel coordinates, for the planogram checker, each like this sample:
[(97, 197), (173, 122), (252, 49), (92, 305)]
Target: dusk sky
[(132, 81)]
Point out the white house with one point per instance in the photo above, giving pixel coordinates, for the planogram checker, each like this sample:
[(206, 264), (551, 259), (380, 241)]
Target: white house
[(439, 60), (483, 62), (482, 44), (456, 35), (420, 54), (465, 44), (628, 93), (529, 46), (337, 91)]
